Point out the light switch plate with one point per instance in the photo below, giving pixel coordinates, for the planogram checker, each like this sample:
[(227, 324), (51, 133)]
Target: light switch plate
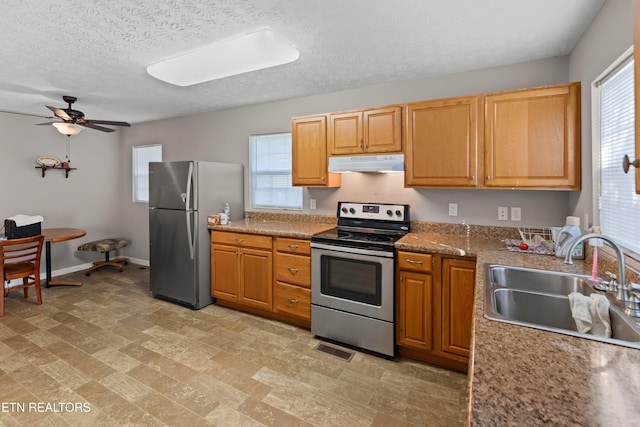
[(516, 214), (312, 203)]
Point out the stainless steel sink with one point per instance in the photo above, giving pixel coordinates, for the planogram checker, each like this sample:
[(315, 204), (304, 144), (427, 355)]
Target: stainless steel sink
[(539, 299), (544, 281)]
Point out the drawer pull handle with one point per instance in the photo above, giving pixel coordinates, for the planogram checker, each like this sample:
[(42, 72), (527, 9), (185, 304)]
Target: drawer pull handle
[(292, 269), (412, 261), (293, 246), (294, 301), (239, 240)]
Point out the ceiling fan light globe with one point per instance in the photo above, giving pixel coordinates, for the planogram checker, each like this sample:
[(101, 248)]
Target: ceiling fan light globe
[(68, 129)]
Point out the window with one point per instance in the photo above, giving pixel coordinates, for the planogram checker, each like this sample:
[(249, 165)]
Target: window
[(614, 115), (142, 155), (270, 160)]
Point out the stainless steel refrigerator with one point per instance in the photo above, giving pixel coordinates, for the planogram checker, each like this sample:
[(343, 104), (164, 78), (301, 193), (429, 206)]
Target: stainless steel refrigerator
[(181, 197)]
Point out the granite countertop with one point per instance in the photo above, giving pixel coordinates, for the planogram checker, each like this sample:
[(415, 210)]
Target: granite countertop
[(449, 244), (524, 376), (296, 229)]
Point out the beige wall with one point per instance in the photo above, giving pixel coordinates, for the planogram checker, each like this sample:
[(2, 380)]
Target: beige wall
[(90, 198), (608, 37)]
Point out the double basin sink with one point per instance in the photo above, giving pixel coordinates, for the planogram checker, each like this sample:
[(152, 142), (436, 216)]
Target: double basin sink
[(539, 299)]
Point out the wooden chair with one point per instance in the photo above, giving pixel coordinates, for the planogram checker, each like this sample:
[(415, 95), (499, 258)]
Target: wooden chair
[(20, 259)]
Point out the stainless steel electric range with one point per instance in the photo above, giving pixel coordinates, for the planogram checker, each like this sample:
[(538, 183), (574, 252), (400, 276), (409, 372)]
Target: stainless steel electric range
[(352, 276)]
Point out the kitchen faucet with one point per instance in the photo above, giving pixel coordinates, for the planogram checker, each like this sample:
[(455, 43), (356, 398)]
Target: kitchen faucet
[(625, 293)]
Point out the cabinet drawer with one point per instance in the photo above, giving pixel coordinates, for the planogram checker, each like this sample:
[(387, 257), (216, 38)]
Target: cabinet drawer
[(294, 269), (241, 239), (294, 246), (293, 300), (415, 261)]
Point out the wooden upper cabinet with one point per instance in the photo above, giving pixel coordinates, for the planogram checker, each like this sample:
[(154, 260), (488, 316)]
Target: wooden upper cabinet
[(442, 143), (532, 138), (371, 131), (309, 153), (346, 133), (636, 58)]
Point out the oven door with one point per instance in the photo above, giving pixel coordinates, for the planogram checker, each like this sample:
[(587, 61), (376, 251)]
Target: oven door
[(353, 280)]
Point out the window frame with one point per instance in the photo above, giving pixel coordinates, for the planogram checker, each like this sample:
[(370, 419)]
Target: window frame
[(135, 177), (253, 139), (632, 258)]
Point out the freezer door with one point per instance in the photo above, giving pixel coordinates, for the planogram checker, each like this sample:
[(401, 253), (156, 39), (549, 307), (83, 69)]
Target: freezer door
[(173, 255), (171, 185)]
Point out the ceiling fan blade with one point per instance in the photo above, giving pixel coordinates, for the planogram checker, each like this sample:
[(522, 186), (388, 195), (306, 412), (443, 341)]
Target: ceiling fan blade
[(30, 115), (46, 123), (88, 124), (60, 113), (106, 122)]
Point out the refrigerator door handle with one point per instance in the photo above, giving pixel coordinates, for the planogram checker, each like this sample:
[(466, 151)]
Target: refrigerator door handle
[(186, 198), (191, 236)]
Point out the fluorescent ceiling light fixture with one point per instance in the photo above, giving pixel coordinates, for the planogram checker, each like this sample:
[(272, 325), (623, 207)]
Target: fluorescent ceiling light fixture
[(69, 129), (237, 55)]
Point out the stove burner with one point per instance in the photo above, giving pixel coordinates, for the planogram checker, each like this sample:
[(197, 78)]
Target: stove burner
[(369, 227), (366, 237)]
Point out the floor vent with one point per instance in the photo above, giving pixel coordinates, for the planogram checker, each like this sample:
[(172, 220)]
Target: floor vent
[(344, 355)]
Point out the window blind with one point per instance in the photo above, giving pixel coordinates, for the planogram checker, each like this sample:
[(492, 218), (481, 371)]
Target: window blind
[(619, 205), (271, 173), (141, 156)]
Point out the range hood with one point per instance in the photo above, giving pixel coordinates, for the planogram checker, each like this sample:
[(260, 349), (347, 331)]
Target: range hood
[(380, 163)]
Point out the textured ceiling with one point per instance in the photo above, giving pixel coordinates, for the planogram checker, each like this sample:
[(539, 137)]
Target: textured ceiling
[(98, 50)]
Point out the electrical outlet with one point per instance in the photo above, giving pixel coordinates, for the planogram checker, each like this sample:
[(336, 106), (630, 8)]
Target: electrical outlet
[(453, 209), (312, 203), (503, 213), (516, 214)]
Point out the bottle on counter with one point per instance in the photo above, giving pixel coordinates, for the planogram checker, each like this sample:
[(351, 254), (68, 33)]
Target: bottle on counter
[(227, 210)]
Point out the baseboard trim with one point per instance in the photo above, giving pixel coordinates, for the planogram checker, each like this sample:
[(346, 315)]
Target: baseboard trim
[(73, 269)]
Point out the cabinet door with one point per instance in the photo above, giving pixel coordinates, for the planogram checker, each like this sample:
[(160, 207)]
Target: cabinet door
[(442, 143), (256, 278), (309, 153), (383, 130), (224, 272), (345, 133), (532, 138), (415, 310), (458, 282)]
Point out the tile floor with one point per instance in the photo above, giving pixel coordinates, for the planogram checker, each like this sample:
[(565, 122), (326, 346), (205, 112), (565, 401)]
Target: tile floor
[(107, 354)]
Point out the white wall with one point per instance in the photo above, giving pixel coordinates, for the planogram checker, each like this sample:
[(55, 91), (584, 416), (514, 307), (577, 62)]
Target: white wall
[(224, 136)]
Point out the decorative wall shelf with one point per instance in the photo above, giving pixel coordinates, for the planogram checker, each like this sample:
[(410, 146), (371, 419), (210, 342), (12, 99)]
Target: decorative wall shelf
[(45, 168)]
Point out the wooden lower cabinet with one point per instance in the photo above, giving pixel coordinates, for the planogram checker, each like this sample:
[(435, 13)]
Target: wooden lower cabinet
[(242, 268), (263, 275), (458, 284), (434, 308), (293, 277), (415, 316)]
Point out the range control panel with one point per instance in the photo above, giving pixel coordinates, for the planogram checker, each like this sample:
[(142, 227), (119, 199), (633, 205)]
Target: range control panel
[(374, 211)]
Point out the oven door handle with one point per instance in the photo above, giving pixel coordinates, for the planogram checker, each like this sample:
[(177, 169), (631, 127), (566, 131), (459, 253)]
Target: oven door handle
[(350, 250)]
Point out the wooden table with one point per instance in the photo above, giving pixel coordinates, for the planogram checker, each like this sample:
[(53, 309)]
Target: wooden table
[(59, 235)]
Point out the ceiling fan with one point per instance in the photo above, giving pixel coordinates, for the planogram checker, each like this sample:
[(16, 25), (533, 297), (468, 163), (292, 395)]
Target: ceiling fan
[(73, 120)]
